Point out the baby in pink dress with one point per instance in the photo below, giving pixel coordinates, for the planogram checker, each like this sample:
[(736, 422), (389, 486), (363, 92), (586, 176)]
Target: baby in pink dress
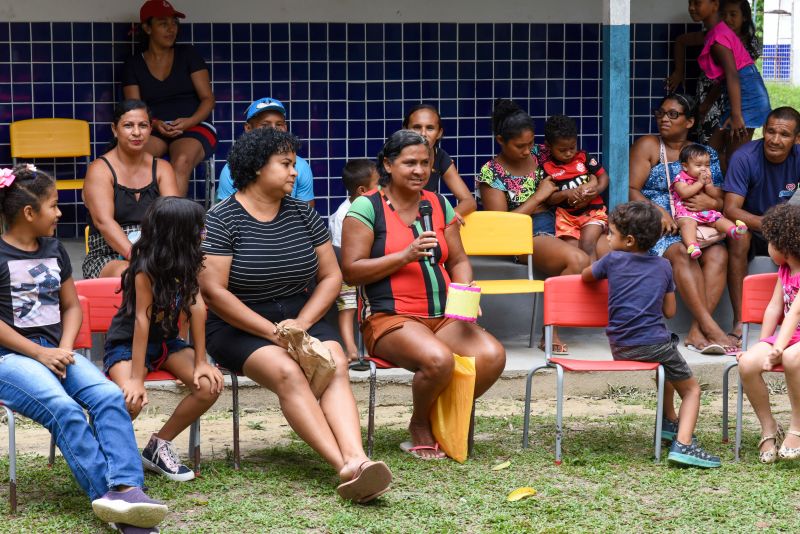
[(693, 179)]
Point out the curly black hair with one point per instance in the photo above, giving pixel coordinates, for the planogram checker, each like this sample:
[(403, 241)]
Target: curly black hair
[(252, 151), (560, 127), (781, 228), (509, 120), (638, 219), (29, 188), (169, 253)]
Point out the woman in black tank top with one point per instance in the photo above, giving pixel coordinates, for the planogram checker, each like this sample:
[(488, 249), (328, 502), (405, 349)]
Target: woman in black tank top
[(119, 187)]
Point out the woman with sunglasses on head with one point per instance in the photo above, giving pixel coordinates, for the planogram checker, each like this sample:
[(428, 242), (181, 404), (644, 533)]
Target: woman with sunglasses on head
[(654, 158)]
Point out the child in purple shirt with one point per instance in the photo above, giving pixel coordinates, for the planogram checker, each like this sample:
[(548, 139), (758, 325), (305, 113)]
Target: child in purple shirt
[(636, 328)]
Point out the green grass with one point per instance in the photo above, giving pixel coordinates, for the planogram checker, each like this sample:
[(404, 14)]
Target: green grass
[(783, 94), (607, 483), (780, 94)]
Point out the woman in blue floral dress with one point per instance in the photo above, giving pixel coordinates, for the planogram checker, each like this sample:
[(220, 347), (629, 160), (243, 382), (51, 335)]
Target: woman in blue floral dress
[(700, 283)]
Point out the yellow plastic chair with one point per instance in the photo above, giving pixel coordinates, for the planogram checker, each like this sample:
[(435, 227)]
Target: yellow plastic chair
[(498, 233), (51, 138)]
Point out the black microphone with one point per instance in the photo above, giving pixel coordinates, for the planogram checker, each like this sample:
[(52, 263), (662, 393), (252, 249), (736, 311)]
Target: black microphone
[(426, 212)]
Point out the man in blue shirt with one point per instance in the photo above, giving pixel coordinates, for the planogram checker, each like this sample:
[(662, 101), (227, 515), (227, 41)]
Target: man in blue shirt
[(270, 113), (760, 175)]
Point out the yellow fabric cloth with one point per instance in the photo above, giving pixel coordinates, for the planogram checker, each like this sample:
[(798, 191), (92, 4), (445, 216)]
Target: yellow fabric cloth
[(451, 413)]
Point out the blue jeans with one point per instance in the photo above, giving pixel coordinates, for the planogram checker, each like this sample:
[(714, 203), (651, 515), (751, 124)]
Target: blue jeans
[(102, 455)]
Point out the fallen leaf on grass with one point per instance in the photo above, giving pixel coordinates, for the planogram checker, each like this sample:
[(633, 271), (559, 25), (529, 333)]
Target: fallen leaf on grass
[(499, 467), (520, 493)]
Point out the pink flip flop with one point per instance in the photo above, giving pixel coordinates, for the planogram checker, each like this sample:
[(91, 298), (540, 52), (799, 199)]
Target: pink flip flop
[(409, 447)]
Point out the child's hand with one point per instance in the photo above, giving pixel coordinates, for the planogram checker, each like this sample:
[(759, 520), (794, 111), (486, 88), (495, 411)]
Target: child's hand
[(774, 357), (589, 191), (135, 395), (205, 369), (54, 359)]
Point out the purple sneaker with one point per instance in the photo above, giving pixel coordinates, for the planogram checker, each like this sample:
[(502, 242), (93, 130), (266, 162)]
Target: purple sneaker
[(130, 529), (130, 507)]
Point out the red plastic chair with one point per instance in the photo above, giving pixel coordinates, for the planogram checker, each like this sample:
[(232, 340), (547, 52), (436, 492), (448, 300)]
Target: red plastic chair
[(83, 341), (757, 291), (104, 301), (568, 301)]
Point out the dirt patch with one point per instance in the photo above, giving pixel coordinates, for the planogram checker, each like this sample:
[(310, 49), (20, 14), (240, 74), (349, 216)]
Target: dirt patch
[(266, 427)]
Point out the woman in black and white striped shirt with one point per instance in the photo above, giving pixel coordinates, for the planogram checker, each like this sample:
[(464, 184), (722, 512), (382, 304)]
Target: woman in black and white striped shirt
[(269, 262)]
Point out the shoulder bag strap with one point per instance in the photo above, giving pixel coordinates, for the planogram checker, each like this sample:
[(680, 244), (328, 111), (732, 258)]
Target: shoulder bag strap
[(665, 163)]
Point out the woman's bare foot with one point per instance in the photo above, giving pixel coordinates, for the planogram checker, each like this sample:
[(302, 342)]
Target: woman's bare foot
[(421, 434), (348, 471), (696, 338)]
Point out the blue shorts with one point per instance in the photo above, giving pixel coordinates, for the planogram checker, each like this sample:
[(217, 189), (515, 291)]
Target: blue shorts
[(755, 98), (156, 355), (544, 223)]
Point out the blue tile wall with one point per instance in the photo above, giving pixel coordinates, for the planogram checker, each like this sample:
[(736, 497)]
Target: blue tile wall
[(346, 86)]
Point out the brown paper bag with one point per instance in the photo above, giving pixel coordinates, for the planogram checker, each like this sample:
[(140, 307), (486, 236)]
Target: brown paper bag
[(313, 357)]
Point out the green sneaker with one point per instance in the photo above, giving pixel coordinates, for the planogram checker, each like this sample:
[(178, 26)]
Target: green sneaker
[(691, 456)]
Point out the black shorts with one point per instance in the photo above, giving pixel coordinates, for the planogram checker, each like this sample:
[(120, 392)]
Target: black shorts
[(667, 354), (204, 133), (231, 347)]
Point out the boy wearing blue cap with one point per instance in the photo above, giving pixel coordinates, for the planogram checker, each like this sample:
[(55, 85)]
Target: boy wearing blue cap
[(270, 113)]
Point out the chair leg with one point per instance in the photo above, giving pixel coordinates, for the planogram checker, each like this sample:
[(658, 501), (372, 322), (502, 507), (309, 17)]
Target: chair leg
[(235, 395), (526, 418), (725, 389), (533, 320), (12, 461), (51, 459), (471, 435), (373, 386), (194, 445), (739, 405), (559, 410), (659, 411)]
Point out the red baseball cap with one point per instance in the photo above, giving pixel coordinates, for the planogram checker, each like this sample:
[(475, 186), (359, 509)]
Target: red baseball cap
[(158, 8)]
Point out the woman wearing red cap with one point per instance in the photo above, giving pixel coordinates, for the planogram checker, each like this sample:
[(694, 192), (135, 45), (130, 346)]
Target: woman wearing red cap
[(174, 81)]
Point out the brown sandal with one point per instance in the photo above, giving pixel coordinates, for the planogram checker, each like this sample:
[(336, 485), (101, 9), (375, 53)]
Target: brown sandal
[(370, 481)]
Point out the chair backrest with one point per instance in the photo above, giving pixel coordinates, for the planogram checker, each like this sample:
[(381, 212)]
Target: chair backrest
[(104, 301), (497, 233), (84, 338), (569, 301), (757, 291), (50, 138)]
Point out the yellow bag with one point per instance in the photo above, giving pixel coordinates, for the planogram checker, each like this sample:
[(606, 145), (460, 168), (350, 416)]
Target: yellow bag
[(451, 413)]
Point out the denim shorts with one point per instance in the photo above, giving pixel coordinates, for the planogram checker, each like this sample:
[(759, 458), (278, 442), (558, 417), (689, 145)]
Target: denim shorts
[(755, 98), (544, 223), (156, 355)]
